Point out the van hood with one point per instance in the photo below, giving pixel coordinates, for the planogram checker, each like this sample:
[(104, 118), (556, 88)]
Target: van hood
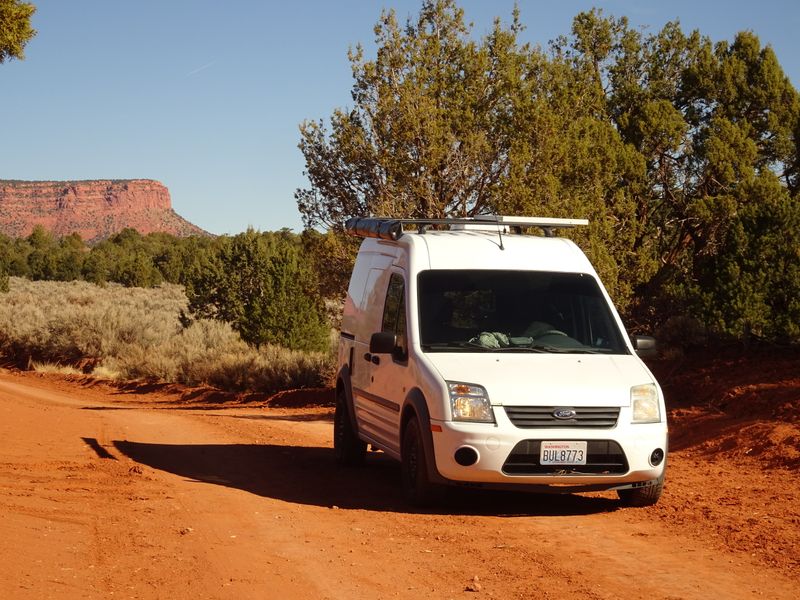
[(525, 379)]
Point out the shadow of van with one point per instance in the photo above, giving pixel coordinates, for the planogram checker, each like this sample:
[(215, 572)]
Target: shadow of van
[(309, 475)]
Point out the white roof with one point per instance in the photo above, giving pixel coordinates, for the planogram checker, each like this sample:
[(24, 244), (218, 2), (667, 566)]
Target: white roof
[(482, 250)]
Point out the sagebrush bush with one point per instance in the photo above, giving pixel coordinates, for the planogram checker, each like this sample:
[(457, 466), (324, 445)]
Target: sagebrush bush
[(76, 322), (136, 333)]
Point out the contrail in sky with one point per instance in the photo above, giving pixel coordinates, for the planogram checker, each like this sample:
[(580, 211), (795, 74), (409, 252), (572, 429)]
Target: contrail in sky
[(198, 69)]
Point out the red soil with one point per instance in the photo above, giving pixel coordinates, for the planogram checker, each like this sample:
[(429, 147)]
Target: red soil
[(153, 491)]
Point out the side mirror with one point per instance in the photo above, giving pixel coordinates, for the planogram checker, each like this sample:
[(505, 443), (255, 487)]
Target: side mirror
[(382, 342), (645, 346)]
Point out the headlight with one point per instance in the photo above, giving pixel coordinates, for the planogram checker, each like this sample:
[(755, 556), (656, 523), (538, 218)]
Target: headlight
[(644, 401), (469, 402)]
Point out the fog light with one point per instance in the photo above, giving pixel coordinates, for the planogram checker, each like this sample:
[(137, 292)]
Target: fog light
[(656, 457), (466, 456)]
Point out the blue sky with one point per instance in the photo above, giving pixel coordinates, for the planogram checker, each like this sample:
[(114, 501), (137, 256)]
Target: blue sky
[(206, 96)]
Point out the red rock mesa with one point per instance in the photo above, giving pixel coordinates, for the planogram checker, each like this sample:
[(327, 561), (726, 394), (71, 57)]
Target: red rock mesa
[(95, 209)]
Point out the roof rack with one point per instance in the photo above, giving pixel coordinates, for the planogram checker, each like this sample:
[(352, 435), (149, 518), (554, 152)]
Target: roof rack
[(387, 228)]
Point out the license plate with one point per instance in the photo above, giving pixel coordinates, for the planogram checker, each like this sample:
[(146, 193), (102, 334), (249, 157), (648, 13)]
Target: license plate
[(562, 453)]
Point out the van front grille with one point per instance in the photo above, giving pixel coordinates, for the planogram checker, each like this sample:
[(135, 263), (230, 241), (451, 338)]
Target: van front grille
[(532, 417), (603, 457)]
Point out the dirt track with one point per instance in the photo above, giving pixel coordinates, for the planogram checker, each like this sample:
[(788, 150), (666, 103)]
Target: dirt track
[(105, 493)]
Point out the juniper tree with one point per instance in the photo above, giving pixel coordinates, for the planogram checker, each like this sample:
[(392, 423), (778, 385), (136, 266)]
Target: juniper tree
[(15, 28), (680, 151), (263, 286)]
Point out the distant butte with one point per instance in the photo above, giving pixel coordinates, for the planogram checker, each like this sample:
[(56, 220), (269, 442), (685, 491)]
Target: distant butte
[(96, 209)]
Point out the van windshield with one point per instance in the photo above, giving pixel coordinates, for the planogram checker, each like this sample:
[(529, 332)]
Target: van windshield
[(515, 311)]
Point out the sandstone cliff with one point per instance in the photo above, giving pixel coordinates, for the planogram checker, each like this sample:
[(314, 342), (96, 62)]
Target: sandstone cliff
[(95, 209)]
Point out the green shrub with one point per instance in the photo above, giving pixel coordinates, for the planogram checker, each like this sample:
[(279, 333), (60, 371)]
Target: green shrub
[(136, 333), (265, 287)]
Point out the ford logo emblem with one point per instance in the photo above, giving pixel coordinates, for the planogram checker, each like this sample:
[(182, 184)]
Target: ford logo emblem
[(564, 413)]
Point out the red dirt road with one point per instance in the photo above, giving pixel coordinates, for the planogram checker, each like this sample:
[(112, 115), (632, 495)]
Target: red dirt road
[(109, 493)]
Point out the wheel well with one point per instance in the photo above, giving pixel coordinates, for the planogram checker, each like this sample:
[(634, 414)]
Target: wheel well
[(414, 408), (408, 414), (344, 392)]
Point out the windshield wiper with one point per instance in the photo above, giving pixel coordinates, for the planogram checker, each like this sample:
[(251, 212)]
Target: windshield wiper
[(538, 349), (534, 348), (556, 350), (454, 347)]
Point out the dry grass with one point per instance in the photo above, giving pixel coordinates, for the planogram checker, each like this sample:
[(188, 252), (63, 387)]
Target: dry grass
[(54, 368), (133, 333)]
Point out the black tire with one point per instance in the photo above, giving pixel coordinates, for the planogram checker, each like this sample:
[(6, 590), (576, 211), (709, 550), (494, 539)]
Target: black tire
[(642, 496), (417, 487), (348, 449)]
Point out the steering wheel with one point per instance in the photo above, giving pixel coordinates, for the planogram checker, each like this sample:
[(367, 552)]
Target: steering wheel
[(551, 332)]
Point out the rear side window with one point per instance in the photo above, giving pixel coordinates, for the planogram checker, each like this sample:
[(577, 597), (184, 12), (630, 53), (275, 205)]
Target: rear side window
[(394, 314)]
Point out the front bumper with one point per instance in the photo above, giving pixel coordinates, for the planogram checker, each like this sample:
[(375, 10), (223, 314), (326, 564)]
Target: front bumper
[(493, 444)]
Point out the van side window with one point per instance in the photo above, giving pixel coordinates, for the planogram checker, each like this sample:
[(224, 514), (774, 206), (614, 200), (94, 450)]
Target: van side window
[(394, 314)]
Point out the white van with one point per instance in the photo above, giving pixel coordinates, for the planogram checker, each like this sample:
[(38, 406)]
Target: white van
[(478, 355)]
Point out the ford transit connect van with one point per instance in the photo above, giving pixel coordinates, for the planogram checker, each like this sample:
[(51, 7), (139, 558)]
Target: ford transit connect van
[(478, 354)]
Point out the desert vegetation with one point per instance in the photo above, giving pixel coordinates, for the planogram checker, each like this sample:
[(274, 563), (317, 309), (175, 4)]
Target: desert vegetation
[(262, 283), (237, 312), (138, 333), (680, 150)]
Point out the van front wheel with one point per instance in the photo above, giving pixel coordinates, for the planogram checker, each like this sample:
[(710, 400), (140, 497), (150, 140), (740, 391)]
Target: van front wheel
[(417, 487), (348, 449)]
